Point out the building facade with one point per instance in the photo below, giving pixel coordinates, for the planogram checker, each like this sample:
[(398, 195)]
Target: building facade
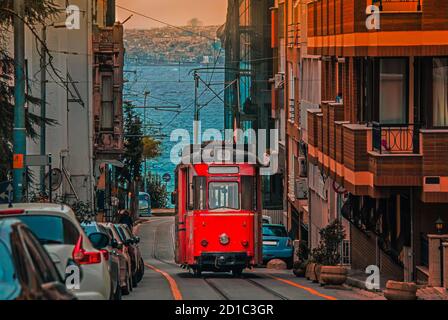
[(379, 136), (250, 63), (74, 95)]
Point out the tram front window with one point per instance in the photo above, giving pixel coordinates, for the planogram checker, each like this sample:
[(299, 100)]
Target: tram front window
[(224, 195)]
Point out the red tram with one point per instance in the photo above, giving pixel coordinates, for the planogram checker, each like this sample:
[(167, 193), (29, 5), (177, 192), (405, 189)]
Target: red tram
[(218, 218)]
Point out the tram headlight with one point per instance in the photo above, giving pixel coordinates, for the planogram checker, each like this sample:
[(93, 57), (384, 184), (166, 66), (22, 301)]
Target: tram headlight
[(224, 239)]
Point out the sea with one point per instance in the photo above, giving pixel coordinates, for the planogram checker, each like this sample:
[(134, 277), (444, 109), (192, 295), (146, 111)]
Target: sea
[(170, 94)]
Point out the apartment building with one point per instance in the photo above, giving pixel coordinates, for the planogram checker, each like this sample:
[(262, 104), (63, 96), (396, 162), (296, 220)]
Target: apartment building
[(78, 95), (380, 132), (250, 63)]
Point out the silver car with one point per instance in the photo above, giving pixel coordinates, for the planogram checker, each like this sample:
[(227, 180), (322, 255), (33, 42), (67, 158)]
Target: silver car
[(71, 250)]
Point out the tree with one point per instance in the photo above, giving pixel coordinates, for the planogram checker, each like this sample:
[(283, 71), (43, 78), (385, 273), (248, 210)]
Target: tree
[(36, 13), (195, 22), (328, 251), (158, 193), (133, 157), (151, 148)]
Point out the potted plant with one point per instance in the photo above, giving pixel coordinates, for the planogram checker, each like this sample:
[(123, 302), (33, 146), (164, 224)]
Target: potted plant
[(327, 255), (300, 266), (400, 290)]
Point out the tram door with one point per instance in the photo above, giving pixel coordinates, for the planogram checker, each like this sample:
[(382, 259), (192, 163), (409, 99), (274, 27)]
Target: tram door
[(181, 215)]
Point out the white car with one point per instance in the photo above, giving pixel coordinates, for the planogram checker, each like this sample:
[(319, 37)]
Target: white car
[(59, 231)]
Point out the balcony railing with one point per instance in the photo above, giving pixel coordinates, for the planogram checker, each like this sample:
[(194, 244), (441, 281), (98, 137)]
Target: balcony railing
[(292, 110), (395, 138), (293, 34)]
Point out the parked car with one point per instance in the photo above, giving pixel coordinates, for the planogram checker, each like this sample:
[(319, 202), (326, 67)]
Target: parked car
[(132, 241), (266, 219), (125, 259), (26, 269), (112, 252), (277, 244), (57, 228), (144, 204)]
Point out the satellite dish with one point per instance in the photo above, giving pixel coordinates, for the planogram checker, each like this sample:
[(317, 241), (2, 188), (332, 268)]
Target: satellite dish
[(56, 179)]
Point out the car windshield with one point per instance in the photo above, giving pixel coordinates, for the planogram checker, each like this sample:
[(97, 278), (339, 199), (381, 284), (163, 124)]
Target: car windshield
[(51, 229), (89, 228), (274, 231), (143, 201), (7, 272), (223, 195)]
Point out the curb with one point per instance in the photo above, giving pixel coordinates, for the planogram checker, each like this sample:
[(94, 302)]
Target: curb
[(356, 283)]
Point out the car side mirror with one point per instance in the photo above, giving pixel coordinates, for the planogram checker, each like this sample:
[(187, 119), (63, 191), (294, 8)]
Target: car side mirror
[(99, 240), (136, 240), (114, 243)]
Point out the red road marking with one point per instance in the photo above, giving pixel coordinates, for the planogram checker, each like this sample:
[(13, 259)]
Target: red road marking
[(173, 285), (308, 289)]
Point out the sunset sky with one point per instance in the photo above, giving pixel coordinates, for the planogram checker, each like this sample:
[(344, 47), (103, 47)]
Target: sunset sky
[(176, 12)]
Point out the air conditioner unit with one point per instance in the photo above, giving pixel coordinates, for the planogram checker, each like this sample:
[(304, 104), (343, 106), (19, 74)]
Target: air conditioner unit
[(303, 166), (279, 81), (302, 189)]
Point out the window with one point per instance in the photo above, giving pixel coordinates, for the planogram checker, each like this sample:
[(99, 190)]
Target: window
[(52, 229), (291, 93), (249, 185), (224, 195), (107, 103), (274, 231), (393, 91), (200, 185), (7, 272), (41, 259), (440, 92)]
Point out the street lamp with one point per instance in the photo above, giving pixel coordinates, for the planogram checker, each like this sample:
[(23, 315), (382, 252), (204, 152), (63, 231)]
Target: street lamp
[(440, 224)]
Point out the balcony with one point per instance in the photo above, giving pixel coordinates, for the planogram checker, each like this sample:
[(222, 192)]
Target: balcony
[(338, 27), (294, 35), (372, 159)]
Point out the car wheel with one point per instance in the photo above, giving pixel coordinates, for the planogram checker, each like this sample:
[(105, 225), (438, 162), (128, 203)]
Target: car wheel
[(135, 280), (197, 272), (237, 273), (118, 293), (126, 290)]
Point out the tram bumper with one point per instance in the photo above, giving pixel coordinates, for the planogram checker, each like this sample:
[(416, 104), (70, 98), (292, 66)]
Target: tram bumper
[(223, 261)]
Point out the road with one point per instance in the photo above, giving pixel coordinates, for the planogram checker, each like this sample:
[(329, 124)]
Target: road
[(164, 280)]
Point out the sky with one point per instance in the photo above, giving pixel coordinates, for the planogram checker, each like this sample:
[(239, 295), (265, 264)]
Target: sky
[(176, 12)]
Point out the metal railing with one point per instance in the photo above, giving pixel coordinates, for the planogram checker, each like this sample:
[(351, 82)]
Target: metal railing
[(346, 255), (292, 110), (293, 34), (395, 138)]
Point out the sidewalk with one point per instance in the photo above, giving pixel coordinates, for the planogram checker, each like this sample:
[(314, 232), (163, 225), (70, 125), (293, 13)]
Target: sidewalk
[(357, 279)]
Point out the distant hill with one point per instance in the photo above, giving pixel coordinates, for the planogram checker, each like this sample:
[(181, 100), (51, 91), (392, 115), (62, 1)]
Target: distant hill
[(171, 46)]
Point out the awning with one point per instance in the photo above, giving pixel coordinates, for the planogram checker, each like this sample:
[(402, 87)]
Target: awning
[(114, 163)]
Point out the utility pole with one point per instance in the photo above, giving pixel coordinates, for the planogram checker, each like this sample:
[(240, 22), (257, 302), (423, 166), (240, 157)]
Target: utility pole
[(196, 109), (145, 176), (43, 103), (19, 134)]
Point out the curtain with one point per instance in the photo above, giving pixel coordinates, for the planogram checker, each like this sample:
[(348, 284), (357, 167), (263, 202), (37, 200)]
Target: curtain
[(440, 92)]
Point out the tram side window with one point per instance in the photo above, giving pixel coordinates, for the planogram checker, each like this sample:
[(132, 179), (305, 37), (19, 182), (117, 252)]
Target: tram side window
[(199, 188), (249, 195)]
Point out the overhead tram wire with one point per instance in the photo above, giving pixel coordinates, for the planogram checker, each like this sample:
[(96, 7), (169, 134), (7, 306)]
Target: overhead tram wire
[(185, 30), (203, 92)]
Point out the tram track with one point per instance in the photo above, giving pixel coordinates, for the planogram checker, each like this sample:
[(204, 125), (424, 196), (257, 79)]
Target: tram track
[(209, 281)]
